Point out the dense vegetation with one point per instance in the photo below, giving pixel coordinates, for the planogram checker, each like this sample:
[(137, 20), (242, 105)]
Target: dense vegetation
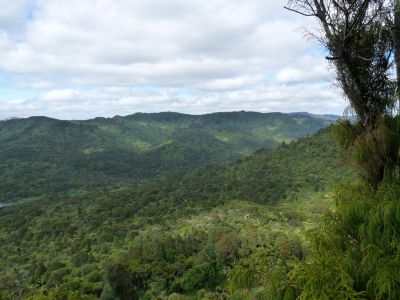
[(355, 251), (40, 155), (260, 227), (198, 235), (286, 223)]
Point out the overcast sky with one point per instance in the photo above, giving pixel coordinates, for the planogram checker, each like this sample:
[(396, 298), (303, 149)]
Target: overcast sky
[(78, 59)]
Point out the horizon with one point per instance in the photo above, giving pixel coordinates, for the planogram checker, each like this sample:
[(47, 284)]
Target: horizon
[(107, 57), (175, 112)]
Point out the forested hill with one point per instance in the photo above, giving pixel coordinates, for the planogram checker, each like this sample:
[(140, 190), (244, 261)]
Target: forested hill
[(40, 155), (293, 170), (61, 247)]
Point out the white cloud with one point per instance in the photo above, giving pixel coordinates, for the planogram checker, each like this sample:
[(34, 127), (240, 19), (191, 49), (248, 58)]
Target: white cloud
[(311, 74), (234, 83), (265, 97), (60, 95), (13, 14), (118, 56)]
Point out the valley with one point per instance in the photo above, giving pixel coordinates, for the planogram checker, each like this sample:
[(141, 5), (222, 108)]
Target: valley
[(192, 234), (143, 155), (41, 155)]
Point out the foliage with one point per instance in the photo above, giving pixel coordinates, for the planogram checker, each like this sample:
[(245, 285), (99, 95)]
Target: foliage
[(180, 235), (374, 152), (359, 37), (118, 283), (40, 155), (355, 252)]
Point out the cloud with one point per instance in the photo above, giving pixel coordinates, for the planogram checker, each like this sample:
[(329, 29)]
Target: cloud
[(60, 95), (312, 73), (110, 101), (13, 15), (234, 83), (157, 55)]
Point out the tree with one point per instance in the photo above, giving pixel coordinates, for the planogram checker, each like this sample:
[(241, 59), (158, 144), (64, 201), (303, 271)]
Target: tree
[(118, 283), (363, 41), (354, 252), (204, 275), (358, 36)]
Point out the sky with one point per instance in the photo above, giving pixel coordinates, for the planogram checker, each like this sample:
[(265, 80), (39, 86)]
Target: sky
[(82, 59)]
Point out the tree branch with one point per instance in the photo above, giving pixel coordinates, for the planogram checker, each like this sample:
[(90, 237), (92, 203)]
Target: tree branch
[(299, 12)]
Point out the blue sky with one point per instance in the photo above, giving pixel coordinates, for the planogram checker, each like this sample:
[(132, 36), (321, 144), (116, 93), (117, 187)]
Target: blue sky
[(109, 57), (7, 93)]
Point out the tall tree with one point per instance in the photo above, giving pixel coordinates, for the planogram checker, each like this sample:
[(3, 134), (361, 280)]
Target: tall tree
[(355, 251), (357, 35), (362, 38)]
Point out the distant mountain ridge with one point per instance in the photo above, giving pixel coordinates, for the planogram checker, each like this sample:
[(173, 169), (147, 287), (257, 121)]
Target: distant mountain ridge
[(45, 155)]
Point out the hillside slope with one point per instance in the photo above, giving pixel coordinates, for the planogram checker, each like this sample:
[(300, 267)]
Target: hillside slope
[(39, 155), (60, 246), (290, 171)]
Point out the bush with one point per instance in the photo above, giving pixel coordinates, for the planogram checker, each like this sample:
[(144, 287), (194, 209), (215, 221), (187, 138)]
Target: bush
[(201, 276), (355, 253)]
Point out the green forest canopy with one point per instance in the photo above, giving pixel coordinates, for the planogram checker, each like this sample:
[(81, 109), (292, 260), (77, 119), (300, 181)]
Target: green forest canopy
[(190, 234), (40, 155)]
